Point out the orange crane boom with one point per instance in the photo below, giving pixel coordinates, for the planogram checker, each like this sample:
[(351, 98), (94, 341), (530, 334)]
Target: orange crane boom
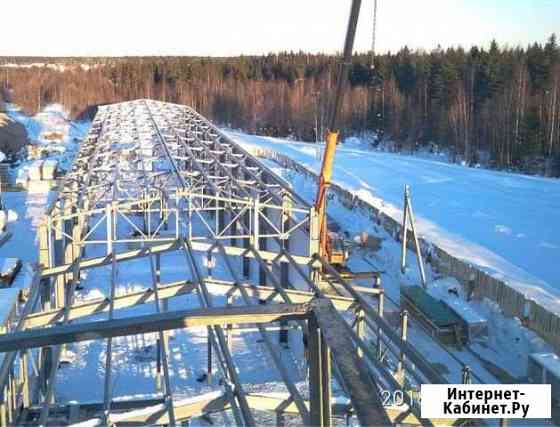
[(325, 248)]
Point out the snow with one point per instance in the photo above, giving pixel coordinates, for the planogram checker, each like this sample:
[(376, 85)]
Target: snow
[(8, 297), (549, 361), (53, 66), (439, 289), (508, 343), (25, 212), (52, 130), (153, 409), (29, 209), (7, 265), (505, 224), (34, 170), (12, 215), (49, 168), (134, 363)]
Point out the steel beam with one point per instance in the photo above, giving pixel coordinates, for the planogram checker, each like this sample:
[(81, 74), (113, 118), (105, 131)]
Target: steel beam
[(173, 245), (363, 391), (101, 305), (151, 323)]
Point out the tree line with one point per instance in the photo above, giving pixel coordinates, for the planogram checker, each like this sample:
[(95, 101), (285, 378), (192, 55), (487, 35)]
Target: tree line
[(500, 104)]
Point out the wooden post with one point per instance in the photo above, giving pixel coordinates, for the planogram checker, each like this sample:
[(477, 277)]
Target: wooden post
[(314, 232), (220, 204), (68, 259), (56, 256), (233, 228), (263, 244), (44, 250), (178, 206), (164, 303), (46, 357), (158, 269), (404, 230), (77, 230), (285, 266), (319, 376), (246, 243), (380, 304), (402, 357), (11, 396), (161, 213), (209, 264), (3, 414), (45, 257), (73, 413), (209, 346), (158, 366), (466, 378), (229, 326), (24, 379), (149, 213), (109, 220), (59, 258), (283, 337), (280, 419), (360, 329)]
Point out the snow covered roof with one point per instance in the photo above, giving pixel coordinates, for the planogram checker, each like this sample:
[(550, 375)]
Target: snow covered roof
[(439, 289), (465, 311), (438, 312), (550, 361)]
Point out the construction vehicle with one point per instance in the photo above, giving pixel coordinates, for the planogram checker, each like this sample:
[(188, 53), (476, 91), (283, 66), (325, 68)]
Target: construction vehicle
[(332, 245)]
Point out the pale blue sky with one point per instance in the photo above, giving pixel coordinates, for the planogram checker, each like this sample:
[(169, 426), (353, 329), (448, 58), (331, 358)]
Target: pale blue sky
[(232, 27)]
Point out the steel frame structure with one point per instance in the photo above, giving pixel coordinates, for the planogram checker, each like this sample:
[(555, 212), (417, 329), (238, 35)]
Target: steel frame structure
[(154, 178)]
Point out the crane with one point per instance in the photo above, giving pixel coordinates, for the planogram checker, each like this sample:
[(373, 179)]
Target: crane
[(332, 248)]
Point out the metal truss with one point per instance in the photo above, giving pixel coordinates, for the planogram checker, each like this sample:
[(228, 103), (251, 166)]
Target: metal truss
[(178, 177), (156, 178)]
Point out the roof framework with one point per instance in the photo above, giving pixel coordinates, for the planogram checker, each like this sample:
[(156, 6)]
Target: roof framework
[(156, 178)]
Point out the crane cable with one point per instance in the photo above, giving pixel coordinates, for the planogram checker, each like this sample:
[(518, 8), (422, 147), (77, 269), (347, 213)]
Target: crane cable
[(372, 64)]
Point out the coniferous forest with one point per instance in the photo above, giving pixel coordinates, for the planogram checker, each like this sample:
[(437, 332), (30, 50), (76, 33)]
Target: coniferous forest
[(499, 105)]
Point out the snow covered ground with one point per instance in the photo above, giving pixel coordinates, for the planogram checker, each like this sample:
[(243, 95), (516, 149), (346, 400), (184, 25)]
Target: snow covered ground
[(371, 176), (30, 209), (53, 66), (507, 224), (52, 120), (508, 343), (503, 352), (134, 356)]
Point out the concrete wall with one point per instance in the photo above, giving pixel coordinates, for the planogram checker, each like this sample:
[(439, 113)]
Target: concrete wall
[(512, 302)]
